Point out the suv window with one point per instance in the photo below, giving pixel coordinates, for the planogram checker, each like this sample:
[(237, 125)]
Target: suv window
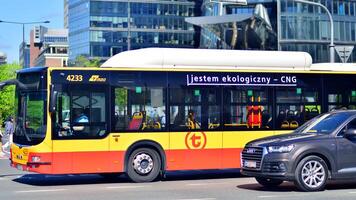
[(328, 123), (350, 125)]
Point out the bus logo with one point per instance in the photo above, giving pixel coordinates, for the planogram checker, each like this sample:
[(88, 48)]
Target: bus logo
[(195, 140), (97, 78)]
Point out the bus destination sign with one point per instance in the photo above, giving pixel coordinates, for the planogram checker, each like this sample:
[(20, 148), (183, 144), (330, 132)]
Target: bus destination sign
[(242, 79)]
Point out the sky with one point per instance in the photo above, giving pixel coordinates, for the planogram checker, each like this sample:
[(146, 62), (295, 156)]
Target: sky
[(25, 11)]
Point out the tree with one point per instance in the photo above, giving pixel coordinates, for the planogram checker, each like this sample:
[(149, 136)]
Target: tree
[(7, 95), (82, 61)]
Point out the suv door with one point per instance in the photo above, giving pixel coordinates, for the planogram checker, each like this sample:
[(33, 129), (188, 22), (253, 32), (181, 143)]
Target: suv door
[(346, 151)]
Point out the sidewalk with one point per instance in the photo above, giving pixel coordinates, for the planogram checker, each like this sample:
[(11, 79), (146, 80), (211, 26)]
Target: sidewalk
[(2, 154)]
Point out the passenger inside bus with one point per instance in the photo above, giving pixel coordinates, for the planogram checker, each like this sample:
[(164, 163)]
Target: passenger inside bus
[(192, 123), (80, 116)]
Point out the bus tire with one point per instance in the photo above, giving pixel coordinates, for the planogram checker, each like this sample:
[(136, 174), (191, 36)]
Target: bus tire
[(144, 165)]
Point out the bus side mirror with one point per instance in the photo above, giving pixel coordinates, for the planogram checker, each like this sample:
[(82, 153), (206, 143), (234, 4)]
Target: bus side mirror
[(53, 100)]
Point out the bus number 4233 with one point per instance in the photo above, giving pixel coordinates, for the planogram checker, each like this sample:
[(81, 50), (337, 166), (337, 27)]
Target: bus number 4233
[(75, 78)]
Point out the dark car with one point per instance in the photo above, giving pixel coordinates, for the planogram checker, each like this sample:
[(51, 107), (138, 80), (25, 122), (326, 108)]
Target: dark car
[(323, 148)]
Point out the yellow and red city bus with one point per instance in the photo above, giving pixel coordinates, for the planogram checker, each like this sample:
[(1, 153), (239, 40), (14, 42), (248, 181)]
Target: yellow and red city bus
[(149, 111)]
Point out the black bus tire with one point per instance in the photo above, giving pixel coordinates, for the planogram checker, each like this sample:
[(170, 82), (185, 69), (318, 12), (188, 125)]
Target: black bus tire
[(144, 165)]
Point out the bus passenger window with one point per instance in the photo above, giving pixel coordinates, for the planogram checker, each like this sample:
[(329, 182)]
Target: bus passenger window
[(296, 106), (185, 109), (139, 109), (247, 109)]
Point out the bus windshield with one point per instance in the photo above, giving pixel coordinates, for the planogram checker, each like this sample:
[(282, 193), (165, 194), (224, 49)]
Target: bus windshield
[(30, 126), (30, 121)]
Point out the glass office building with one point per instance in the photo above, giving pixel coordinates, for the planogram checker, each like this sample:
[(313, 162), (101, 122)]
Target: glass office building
[(255, 27), (290, 26), (307, 28), (99, 28)]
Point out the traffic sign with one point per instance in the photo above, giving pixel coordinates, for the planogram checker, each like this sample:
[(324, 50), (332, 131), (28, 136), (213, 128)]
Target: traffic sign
[(344, 52)]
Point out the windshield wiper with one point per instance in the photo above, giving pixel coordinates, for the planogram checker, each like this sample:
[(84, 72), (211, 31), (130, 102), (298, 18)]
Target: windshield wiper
[(22, 131)]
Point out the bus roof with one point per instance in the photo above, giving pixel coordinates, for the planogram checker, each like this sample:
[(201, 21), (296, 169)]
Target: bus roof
[(345, 67), (173, 58)]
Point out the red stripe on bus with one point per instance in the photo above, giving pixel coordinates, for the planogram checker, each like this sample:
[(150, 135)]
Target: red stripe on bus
[(193, 159), (106, 161)]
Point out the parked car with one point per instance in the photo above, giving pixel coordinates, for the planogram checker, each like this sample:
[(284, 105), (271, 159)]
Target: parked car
[(321, 149)]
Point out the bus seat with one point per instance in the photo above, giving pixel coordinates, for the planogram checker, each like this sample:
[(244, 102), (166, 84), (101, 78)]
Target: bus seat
[(285, 124), (293, 124), (254, 117), (281, 118), (136, 122)]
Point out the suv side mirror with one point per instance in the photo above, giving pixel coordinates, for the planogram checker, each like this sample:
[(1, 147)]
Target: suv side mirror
[(350, 133)]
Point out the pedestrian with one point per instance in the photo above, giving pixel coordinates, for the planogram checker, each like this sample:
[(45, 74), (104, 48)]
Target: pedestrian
[(7, 136)]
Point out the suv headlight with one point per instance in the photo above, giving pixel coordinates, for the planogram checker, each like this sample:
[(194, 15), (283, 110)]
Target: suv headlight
[(280, 149)]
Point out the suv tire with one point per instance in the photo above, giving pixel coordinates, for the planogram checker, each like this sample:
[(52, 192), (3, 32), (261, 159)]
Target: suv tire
[(311, 174)]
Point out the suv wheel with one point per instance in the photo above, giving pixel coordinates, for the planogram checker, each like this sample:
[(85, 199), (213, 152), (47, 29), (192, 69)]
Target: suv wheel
[(311, 174), (268, 182)]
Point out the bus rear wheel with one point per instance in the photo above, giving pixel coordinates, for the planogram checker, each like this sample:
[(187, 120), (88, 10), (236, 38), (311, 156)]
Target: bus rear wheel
[(144, 165)]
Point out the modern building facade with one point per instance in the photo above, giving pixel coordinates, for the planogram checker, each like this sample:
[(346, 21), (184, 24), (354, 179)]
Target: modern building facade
[(48, 47), (284, 25), (103, 28), (24, 53), (307, 28)]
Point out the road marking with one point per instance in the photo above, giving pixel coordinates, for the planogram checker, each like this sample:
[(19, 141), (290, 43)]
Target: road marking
[(199, 199), (281, 196), (200, 184), (352, 192), (34, 191), (125, 187)]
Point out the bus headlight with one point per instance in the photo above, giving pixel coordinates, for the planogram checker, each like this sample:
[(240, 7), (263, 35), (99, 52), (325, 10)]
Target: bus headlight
[(36, 159), (280, 149)]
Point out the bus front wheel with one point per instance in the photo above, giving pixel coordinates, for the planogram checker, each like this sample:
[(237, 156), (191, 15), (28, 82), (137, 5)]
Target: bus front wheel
[(144, 165)]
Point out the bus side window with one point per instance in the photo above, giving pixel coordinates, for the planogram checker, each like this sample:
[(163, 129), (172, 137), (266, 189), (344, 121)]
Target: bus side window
[(296, 106), (185, 109), (247, 109), (139, 109)]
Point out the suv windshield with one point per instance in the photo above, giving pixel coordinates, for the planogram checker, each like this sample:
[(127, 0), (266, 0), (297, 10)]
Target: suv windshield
[(324, 124), (30, 120)]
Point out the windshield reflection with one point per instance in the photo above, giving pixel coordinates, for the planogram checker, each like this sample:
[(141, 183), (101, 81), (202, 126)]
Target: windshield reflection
[(324, 124)]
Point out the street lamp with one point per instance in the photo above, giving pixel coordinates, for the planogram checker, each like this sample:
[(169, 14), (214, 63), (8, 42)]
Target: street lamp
[(332, 46), (23, 26)]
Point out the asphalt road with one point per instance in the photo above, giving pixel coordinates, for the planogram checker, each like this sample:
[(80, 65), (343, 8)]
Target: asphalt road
[(197, 185)]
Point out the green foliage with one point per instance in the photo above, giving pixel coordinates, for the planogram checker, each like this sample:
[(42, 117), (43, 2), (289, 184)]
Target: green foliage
[(82, 61), (7, 95), (120, 96), (35, 113)]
